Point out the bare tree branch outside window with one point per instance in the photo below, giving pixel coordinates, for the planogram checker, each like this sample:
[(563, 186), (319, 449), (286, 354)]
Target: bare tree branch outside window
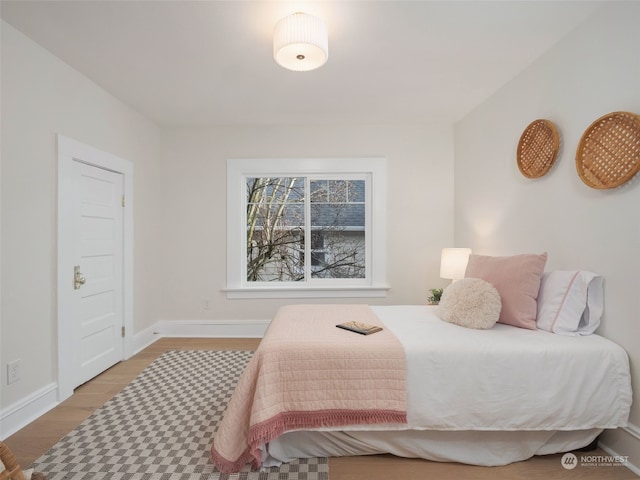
[(277, 231)]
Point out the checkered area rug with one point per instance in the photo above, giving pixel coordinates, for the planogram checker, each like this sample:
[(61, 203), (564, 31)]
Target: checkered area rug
[(161, 426)]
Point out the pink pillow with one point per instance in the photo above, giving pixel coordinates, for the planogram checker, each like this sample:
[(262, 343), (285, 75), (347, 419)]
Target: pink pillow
[(517, 280)]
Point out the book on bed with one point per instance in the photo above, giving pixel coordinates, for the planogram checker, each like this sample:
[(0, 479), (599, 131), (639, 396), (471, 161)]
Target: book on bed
[(359, 327)]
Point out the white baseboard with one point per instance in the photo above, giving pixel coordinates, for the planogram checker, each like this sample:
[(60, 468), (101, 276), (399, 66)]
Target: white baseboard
[(211, 328), (624, 441), (140, 341), (197, 329), (25, 411), (633, 430)]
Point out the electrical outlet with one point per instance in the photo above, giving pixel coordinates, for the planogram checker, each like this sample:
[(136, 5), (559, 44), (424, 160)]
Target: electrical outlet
[(13, 371), (206, 304)]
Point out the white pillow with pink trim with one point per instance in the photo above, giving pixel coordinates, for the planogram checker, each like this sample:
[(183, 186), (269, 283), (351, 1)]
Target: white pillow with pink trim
[(570, 302)]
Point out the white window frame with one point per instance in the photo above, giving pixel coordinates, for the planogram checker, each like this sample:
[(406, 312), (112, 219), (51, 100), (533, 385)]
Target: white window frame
[(375, 282)]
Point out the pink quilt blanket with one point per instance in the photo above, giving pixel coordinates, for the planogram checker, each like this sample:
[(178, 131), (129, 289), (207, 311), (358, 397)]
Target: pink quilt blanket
[(306, 373)]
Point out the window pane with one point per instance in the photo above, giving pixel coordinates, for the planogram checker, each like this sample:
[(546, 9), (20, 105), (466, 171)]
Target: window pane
[(275, 225), (337, 190), (338, 215), (337, 229), (319, 191), (276, 259), (275, 189), (341, 256), (355, 189)]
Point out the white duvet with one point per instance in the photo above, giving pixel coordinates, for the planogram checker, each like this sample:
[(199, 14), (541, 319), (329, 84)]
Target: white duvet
[(507, 378)]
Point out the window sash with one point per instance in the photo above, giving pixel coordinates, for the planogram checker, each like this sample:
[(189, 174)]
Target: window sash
[(305, 272)]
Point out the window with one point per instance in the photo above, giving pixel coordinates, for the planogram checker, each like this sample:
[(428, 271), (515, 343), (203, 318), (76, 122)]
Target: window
[(306, 228), (281, 235)]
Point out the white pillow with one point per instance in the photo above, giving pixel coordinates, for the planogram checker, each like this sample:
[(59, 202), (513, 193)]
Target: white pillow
[(570, 302), (471, 303)]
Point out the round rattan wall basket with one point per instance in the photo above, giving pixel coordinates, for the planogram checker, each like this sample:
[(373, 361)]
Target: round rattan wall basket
[(609, 152), (538, 148)]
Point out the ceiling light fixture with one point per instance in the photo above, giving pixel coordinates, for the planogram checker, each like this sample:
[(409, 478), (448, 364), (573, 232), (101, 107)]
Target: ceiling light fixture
[(300, 42)]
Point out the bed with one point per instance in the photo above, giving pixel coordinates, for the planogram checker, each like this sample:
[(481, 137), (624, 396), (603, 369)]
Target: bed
[(421, 388)]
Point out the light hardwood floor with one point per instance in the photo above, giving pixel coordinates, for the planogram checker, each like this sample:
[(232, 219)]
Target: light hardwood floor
[(34, 440)]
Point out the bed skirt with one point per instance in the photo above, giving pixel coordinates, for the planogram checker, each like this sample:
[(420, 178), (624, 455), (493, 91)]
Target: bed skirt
[(483, 448)]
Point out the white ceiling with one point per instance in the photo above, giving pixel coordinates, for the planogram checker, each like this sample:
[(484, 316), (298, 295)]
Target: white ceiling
[(199, 63)]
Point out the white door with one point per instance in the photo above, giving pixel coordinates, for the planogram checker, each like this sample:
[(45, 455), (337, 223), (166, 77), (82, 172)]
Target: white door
[(96, 313)]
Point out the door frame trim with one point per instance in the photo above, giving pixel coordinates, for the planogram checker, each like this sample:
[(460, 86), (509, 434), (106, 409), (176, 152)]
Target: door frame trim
[(70, 150)]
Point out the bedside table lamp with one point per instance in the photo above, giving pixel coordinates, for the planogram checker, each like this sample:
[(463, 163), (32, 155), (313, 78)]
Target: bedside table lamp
[(453, 263)]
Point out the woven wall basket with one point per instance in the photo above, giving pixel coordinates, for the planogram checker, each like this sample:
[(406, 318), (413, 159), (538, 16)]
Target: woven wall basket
[(538, 148), (609, 152)]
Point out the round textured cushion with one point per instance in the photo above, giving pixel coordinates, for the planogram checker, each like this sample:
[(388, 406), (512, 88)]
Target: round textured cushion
[(471, 303)]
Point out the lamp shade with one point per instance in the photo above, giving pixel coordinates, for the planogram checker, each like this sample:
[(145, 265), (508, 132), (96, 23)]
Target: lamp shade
[(453, 262), (300, 42)]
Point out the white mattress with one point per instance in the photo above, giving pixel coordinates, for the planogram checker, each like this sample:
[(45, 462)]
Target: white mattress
[(551, 392)]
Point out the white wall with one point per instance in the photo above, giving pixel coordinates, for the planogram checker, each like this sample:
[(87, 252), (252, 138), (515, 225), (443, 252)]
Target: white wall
[(594, 71), (42, 96), (420, 207)]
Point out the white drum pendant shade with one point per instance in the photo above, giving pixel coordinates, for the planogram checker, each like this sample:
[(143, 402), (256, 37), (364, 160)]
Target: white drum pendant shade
[(300, 42)]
